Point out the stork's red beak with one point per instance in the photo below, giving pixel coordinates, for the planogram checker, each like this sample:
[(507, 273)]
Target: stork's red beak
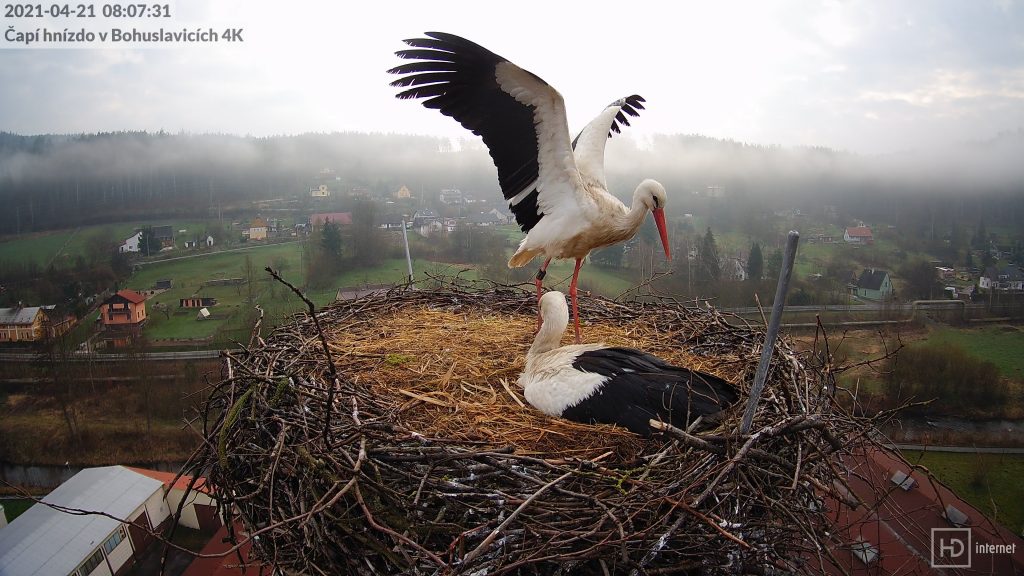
[(659, 219)]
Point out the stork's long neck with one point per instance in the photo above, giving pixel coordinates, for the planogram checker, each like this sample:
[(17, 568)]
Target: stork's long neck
[(634, 218), (550, 334)]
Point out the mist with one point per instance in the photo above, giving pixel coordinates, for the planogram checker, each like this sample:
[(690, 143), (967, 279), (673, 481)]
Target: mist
[(54, 181)]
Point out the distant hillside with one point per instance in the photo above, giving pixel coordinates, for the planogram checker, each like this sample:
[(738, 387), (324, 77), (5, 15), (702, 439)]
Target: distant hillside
[(54, 181)]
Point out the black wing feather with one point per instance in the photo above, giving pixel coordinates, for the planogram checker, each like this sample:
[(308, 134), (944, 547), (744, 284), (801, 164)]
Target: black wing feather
[(640, 387), (630, 105), (457, 77)]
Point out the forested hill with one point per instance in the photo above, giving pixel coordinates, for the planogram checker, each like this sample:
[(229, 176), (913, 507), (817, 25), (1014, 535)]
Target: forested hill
[(57, 181)]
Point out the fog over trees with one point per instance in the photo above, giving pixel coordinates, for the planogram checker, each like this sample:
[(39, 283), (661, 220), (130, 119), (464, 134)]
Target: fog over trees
[(59, 181)]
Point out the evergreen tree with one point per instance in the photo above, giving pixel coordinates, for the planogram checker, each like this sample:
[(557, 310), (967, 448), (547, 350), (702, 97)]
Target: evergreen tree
[(148, 244), (709, 268), (330, 239), (755, 263)]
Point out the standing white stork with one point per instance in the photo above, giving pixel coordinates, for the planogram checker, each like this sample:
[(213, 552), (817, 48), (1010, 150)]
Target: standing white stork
[(555, 188), (593, 383)]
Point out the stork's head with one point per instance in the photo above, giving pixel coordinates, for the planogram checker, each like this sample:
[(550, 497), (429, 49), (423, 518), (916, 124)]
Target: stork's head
[(653, 196)]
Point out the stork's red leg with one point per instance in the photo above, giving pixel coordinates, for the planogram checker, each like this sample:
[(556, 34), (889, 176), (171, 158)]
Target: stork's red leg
[(539, 281), (572, 296)]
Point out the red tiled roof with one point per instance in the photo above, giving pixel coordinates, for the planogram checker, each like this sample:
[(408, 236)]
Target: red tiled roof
[(859, 232), (131, 296), (339, 218), (168, 477), (899, 523)]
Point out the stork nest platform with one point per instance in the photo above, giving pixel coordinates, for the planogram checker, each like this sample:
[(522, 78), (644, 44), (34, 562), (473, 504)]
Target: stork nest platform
[(417, 453)]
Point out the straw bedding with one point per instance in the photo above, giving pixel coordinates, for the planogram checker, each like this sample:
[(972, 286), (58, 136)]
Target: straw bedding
[(428, 460)]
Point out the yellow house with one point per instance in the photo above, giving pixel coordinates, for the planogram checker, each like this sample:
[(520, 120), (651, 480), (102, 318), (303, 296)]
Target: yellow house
[(32, 324), (258, 229), (402, 193), (23, 324)]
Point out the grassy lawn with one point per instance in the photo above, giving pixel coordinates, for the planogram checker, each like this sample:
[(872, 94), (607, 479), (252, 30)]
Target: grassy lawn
[(40, 248), (61, 246), (1002, 345), (989, 482)]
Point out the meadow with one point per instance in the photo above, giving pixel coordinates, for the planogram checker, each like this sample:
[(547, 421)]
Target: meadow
[(989, 482)]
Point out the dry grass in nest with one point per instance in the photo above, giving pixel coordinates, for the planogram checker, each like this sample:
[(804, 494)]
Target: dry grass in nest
[(454, 375), (415, 454)]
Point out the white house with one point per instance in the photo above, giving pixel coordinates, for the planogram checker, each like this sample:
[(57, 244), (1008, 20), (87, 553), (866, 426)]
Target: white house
[(44, 541), (131, 244)]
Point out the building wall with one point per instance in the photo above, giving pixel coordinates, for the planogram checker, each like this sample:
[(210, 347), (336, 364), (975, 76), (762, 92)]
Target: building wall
[(22, 332), (258, 233), (135, 313)]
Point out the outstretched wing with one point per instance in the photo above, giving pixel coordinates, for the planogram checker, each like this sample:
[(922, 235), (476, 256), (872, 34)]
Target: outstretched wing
[(589, 144), (519, 116)]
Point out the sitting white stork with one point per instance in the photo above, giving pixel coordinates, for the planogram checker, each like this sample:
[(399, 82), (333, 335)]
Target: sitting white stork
[(555, 188), (593, 383)]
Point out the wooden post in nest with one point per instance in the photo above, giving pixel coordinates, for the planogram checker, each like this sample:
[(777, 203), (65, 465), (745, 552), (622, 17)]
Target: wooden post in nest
[(773, 330)]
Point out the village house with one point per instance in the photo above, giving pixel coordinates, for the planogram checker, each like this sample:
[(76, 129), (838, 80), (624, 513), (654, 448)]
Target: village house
[(1006, 279), (339, 218), (320, 191), (122, 316), (164, 235), (858, 235), (45, 540), (32, 323), (451, 196), (258, 229), (131, 244), (873, 285)]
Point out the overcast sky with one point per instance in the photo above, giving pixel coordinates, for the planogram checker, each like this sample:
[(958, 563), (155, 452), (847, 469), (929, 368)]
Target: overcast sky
[(870, 77)]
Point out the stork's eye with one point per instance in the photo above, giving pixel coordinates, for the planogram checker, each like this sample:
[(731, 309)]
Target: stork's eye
[(655, 201)]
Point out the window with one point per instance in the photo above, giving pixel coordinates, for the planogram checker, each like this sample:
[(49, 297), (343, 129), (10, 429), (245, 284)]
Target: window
[(113, 540), (89, 565)]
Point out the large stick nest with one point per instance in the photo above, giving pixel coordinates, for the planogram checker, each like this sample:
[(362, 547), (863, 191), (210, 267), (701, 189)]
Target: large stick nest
[(429, 461)]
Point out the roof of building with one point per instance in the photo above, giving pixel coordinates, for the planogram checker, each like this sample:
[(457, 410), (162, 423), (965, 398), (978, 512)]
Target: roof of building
[(871, 279), (129, 295), (858, 232), (339, 218), (215, 561), (44, 541), (172, 480), (23, 316), (163, 231), (1011, 273), (897, 511)]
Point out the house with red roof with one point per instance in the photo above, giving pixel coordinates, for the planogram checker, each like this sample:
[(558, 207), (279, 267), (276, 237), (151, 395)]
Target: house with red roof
[(858, 235), (122, 316), (339, 218)]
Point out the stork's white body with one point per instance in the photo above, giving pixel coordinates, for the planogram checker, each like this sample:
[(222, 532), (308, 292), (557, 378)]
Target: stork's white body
[(596, 383), (555, 186)]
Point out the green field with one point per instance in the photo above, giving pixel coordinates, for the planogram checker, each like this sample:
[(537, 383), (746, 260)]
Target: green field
[(1001, 345), (187, 276), (989, 482), (62, 246)]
